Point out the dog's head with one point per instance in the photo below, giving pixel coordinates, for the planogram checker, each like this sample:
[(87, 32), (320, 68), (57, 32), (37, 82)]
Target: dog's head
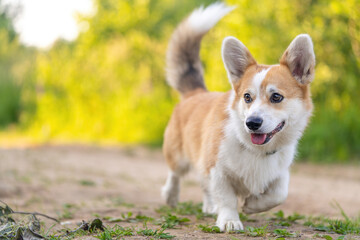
[(272, 104)]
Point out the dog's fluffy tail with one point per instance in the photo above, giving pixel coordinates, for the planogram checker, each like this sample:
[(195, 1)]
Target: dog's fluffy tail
[(184, 70)]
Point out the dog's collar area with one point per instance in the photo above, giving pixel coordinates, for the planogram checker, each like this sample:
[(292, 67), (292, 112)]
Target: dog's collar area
[(266, 153), (271, 153)]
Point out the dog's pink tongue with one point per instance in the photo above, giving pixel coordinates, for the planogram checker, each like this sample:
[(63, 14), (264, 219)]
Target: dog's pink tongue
[(258, 138)]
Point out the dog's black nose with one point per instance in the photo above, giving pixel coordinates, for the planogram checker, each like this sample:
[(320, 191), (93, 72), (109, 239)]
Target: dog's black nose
[(254, 123)]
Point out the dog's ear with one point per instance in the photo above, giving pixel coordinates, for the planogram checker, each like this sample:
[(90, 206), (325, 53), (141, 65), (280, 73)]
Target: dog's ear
[(236, 58), (300, 59)]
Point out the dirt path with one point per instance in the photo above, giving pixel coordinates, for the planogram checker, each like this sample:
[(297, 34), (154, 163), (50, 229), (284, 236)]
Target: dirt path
[(94, 180)]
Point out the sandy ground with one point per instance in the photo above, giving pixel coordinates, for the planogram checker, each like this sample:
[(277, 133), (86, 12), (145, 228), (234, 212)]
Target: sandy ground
[(108, 181)]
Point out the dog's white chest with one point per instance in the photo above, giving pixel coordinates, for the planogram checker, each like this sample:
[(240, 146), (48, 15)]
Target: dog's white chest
[(254, 171)]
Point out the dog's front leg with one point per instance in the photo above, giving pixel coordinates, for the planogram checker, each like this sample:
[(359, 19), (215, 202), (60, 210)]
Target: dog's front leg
[(275, 194), (226, 200)]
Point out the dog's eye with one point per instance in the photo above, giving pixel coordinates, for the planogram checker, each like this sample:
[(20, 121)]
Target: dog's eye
[(247, 98), (276, 98)]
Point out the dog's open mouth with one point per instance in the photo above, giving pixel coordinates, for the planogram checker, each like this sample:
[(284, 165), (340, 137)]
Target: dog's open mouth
[(262, 138)]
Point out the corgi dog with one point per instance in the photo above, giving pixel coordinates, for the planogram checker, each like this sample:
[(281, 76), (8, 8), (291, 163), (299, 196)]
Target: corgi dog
[(241, 142)]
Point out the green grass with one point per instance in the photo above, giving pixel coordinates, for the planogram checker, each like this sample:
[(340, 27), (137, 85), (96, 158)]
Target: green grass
[(128, 217), (328, 237), (339, 226), (209, 229), (115, 232), (64, 235), (119, 201), (85, 182), (280, 216), (283, 221), (170, 221), (322, 227), (244, 217), (67, 211), (256, 231), (158, 233), (143, 218), (249, 231), (185, 208), (284, 233)]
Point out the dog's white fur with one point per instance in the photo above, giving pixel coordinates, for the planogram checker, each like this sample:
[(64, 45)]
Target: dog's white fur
[(257, 173), (203, 19)]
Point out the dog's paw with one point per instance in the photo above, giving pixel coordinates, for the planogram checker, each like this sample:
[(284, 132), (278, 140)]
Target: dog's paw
[(258, 205), (248, 210), (171, 197), (230, 226), (251, 206)]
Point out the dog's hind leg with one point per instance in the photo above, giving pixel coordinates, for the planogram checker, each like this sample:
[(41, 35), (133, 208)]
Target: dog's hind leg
[(208, 202), (170, 191), (178, 167), (178, 164)]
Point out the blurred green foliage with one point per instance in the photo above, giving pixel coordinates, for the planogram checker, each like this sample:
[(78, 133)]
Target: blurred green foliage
[(9, 90), (15, 71), (109, 85)]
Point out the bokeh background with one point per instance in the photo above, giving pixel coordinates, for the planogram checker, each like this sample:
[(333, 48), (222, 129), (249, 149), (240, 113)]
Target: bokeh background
[(107, 86)]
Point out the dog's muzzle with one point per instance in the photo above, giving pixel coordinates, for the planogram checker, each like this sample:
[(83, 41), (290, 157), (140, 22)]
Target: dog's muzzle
[(262, 138)]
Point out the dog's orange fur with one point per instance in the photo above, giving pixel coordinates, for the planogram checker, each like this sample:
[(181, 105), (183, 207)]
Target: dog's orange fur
[(288, 87), (195, 129)]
